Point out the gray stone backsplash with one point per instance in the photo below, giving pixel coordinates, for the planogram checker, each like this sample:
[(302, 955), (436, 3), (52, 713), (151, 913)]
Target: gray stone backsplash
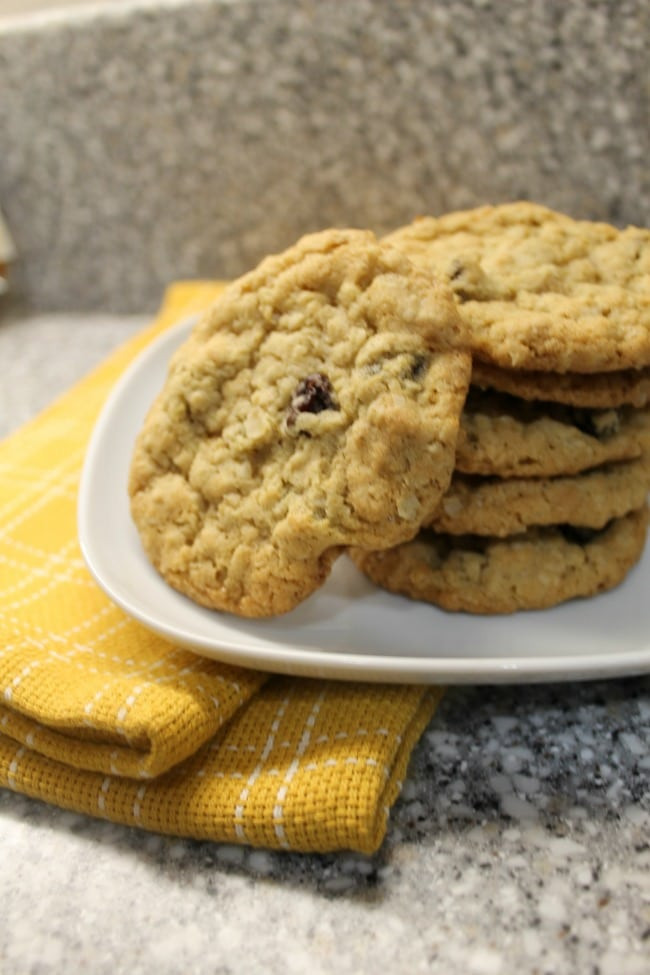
[(154, 142)]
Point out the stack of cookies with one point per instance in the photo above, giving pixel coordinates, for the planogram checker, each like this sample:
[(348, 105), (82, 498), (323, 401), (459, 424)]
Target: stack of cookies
[(461, 406), (547, 501)]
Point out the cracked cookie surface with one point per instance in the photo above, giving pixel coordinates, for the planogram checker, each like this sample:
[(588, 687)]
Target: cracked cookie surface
[(315, 406), (507, 436), (537, 569), (540, 290)]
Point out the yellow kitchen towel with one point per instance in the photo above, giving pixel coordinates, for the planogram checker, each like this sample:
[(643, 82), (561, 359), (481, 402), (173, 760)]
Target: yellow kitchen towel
[(101, 716)]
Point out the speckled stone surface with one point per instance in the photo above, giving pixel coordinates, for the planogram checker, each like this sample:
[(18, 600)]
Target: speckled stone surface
[(46, 353), (158, 141), (520, 842)]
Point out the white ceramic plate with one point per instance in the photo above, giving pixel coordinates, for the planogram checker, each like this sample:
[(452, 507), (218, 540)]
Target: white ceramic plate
[(348, 629)]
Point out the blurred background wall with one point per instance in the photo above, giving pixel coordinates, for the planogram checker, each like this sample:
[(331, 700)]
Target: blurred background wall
[(144, 142)]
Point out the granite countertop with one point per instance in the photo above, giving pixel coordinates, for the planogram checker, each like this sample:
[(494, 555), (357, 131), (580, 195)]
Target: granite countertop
[(520, 842)]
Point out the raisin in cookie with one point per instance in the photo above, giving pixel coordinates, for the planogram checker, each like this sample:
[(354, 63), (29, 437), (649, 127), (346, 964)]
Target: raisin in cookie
[(316, 405), (498, 507), (534, 570), (505, 436), (540, 290), (600, 390)]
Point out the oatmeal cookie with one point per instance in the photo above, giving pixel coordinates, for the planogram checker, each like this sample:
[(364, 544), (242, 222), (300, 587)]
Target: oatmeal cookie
[(600, 390), (507, 436), (534, 570), (315, 406), (540, 290), (493, 506)]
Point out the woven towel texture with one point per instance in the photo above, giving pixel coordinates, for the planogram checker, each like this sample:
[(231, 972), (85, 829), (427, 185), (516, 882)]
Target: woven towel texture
[(99, 715)]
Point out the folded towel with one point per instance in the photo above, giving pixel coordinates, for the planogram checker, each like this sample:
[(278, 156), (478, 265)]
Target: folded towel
[(101, 716)]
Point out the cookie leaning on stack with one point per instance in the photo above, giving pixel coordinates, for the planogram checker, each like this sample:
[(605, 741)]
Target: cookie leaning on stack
[(315, 406), (548, 500)]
